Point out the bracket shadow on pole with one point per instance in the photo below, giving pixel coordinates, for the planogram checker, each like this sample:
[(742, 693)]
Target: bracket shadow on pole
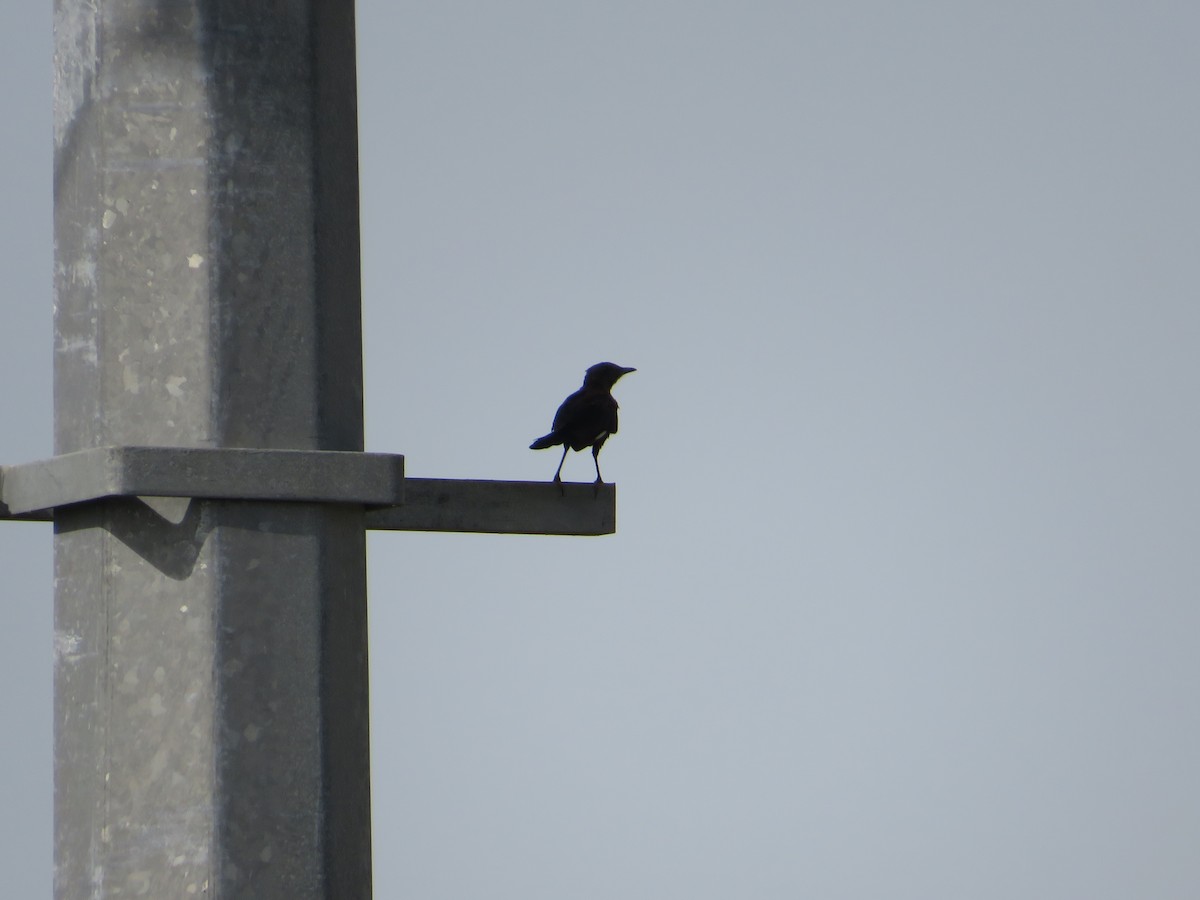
[(31, 491)]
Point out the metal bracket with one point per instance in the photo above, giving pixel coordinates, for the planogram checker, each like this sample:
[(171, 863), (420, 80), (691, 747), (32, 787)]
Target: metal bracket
[(31, 491)]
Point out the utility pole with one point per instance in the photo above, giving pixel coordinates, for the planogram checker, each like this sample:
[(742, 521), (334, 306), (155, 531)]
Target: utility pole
[(210, 493)]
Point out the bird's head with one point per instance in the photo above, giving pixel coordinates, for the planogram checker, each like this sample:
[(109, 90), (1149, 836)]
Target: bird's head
[(605, 374)]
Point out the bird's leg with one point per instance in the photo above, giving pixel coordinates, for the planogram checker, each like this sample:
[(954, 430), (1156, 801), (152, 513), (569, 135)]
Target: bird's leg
[(558, 471), (599, 481)]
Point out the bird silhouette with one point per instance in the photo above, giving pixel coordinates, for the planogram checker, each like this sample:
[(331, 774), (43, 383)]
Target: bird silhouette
[(588, 416)]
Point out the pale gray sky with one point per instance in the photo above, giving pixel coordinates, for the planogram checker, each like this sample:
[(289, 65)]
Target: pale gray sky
[(904, 597)]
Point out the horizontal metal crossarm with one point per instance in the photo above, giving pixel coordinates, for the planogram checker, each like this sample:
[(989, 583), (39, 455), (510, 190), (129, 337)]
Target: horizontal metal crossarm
[(311, 476), (31, 491), (500, 507)]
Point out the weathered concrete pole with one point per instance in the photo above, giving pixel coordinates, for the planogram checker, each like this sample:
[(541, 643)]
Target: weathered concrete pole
[(211, 676)]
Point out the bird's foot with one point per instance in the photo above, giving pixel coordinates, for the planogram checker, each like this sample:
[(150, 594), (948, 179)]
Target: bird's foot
[(561, 489), (596, 488)]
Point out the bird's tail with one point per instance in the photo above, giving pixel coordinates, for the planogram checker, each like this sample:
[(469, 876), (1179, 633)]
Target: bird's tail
[(545, 441)]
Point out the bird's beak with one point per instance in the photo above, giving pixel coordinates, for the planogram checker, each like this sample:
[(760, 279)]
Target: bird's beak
[(626, 370)]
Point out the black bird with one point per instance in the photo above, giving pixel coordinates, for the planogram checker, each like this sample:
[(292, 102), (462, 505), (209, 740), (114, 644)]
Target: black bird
[(588, 416)]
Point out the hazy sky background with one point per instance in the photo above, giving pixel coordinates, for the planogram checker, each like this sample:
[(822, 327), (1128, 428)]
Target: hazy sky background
[(903, 601)]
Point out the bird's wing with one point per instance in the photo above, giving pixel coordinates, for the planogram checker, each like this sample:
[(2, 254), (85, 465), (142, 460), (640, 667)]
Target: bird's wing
[(571, 409), (584, 416)]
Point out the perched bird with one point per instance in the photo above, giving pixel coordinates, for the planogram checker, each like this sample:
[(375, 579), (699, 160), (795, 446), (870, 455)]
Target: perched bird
[(588, 416)]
